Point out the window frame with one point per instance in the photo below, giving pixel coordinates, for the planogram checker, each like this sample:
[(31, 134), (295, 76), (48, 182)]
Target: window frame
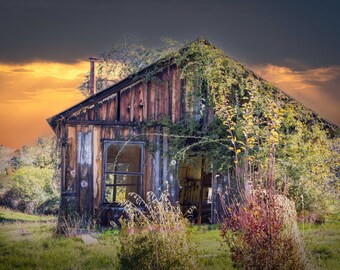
[(140, 174)]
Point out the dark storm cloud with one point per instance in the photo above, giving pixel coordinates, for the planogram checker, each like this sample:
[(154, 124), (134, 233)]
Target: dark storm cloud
[(251, 31)]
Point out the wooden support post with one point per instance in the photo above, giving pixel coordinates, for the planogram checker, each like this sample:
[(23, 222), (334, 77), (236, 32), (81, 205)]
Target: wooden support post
[(165, 156), (199, 219), (156, 163), (214, 196)]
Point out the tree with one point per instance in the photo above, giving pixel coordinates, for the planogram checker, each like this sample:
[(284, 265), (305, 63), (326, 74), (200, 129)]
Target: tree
[(35, 180), (33, 186), (6, 155), (123, 60)]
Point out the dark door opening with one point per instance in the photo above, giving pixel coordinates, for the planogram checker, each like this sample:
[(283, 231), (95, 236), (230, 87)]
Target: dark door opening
[(196, 190)]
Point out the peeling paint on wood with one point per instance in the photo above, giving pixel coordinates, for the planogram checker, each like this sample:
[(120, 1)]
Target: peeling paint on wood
[(85, 166)]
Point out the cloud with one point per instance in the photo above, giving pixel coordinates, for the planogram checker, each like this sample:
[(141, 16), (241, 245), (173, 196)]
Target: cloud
[(27, 99), (316, 88)]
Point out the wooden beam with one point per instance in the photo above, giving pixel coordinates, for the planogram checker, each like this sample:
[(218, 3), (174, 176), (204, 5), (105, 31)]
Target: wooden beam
[(103, 123), (213, 195), (199, 219), (156, 163)]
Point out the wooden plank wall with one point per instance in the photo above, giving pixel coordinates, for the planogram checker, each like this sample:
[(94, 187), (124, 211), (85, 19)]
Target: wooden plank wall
[(140, 102), (70, 160), (164, 95)]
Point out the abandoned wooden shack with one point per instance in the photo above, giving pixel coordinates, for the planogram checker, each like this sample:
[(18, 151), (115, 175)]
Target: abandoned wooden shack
[(115, 142), (104, 149)]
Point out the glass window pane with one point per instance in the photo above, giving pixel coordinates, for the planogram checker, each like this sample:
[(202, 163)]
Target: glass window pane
[(123, 179), (121, 195), (110, 179), (118, 167), (129, 189), (127, 180), (124, 158), (109, 194)]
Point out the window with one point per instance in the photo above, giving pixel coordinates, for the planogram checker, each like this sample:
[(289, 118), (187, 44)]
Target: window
[(123, 170)]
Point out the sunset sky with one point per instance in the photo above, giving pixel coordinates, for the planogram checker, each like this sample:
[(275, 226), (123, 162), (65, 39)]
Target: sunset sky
[(45, 44)]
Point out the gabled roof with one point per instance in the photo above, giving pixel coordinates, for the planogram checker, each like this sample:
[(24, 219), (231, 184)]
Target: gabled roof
[(163, 62), (133, 78)]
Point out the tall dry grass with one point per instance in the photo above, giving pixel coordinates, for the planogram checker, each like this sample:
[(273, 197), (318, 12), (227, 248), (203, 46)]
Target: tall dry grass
[(154, 235)]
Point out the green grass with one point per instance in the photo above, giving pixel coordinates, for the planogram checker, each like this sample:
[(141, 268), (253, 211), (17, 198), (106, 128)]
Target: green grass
[(7, 215), (28, 242), (32, 245), (323, 244), (211, 252)]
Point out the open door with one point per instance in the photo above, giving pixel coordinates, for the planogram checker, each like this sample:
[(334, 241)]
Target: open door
[(196, 190)]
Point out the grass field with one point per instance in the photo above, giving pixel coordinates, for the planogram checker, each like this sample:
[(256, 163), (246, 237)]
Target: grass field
[(28, 242)]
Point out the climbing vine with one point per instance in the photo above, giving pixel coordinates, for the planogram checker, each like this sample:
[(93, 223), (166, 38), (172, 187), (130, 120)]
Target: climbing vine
[(254, 121), (237, 119)]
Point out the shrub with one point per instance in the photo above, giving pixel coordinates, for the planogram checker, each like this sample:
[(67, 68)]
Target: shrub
[(262, 232), (156, 237), (32, 189)]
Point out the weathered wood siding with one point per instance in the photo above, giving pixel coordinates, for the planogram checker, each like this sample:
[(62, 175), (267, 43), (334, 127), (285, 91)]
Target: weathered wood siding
[(161, 96), (117, 117), (97, 169), (69, 184), (85, 161)]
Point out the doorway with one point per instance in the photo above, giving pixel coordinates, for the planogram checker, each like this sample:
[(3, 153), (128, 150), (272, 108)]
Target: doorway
[(196, 189)]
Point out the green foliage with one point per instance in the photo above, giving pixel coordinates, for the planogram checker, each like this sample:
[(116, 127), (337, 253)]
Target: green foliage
[(33, 186), (156, 238), (254, 117), (34, 178), (307, 160), (43, 154)]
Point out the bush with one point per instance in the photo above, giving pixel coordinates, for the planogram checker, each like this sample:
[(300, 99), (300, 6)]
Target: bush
[(10, 200), (262, 232), (50, 206), (156, 238), (32, 191)]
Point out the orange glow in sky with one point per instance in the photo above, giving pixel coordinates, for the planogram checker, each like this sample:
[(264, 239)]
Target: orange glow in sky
[(31, 93), (312, 87)]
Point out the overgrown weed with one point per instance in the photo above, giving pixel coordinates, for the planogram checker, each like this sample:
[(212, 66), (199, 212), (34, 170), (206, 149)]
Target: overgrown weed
[(156, 237)]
